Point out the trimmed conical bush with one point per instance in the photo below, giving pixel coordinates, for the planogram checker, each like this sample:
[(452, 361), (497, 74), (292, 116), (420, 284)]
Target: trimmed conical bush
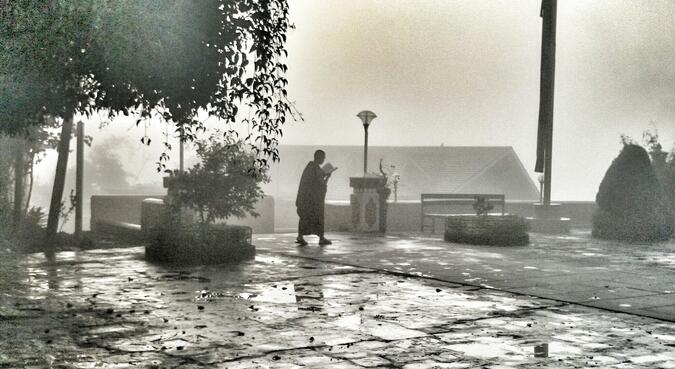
[(630, 200)]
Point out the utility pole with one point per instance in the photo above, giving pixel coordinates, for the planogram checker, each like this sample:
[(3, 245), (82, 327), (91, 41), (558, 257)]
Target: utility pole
[(546, 95)]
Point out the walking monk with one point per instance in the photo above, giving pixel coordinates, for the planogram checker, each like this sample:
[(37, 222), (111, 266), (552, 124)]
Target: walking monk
[(311, 199)]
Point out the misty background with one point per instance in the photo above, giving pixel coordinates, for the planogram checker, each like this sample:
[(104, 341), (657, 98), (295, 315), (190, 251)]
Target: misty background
[(457, 73)]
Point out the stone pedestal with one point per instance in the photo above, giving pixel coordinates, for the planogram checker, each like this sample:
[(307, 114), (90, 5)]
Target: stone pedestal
[(368, 204), (153, 212), (547, 219), (187, 215)]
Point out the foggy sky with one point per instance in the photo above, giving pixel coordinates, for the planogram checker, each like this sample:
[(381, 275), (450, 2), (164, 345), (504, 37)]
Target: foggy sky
[(467, 73)]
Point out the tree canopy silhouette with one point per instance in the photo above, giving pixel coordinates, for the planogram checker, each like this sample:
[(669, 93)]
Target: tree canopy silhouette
[(629, 200), (147, 58)]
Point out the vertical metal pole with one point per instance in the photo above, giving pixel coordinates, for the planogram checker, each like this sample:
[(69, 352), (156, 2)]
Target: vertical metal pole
[(541, 192), (549, 9), (365, 152), (79, 179)]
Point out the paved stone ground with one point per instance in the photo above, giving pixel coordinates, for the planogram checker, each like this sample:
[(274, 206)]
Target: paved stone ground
[(111, 309), (636, 279)]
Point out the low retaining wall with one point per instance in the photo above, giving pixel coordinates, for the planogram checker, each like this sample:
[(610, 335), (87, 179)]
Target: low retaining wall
[(108, 210), (404, 216), (117, 208)]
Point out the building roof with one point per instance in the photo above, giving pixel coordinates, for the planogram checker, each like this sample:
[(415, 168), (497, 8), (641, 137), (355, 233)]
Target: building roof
[(423, 169)]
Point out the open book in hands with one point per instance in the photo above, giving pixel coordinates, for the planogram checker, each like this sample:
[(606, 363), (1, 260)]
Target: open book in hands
[(328, 168)]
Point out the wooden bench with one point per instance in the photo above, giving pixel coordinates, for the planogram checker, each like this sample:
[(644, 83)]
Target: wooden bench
[(443, 199)]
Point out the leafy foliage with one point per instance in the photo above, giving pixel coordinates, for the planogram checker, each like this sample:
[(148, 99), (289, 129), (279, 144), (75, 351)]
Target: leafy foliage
[(630, 201), (482, 206), (5, 209), (664, 167), (222, 185)]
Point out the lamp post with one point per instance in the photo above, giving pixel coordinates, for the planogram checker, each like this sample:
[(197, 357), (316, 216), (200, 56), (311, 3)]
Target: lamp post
[(541, 188), (366, 117)]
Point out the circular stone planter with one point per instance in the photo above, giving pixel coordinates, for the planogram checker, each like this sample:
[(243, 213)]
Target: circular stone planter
[(193, 244), (494, 230)]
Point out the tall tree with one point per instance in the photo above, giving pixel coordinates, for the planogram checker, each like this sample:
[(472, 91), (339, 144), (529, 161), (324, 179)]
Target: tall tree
[(151, 58)]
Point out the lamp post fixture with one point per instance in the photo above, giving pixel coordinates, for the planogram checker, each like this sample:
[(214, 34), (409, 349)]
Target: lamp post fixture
[(366, 117)]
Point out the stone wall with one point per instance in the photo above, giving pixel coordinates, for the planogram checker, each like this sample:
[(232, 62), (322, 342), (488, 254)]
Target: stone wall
[(127, 209), (404, 216), (117, 208)]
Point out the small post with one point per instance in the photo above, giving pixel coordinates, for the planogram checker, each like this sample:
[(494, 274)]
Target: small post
[(79, 179)]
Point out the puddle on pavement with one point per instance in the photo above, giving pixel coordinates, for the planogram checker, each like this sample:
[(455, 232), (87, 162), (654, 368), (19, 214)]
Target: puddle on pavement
[(487, 348)]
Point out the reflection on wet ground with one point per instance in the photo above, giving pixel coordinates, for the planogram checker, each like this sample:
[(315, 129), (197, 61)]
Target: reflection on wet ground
[(110, 308), (633, 278)]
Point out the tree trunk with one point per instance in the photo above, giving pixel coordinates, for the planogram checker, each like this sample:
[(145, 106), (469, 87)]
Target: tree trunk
[(59, 182), (79, 174), (19, 170), (30, 183)]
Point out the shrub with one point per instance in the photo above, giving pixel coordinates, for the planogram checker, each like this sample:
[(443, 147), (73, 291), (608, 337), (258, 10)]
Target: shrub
[(664, 167), (222, 185), (507, 230), (32, 234), (668, 185), (630, 202), (6, 235)]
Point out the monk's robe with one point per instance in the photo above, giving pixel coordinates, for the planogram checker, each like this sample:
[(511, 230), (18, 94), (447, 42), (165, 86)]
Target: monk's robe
[(310, 200)]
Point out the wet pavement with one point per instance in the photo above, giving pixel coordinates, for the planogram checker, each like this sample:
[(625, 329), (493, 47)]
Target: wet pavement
[(637, 279), (112, 309)]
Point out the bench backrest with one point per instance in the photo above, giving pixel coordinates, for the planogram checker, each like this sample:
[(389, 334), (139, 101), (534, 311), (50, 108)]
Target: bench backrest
[(431, 199)]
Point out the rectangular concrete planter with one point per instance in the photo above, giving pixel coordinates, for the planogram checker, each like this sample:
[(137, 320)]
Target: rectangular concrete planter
[(194, 244)]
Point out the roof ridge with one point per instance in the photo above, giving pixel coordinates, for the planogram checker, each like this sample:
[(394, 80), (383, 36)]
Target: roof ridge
[(486, 168)]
